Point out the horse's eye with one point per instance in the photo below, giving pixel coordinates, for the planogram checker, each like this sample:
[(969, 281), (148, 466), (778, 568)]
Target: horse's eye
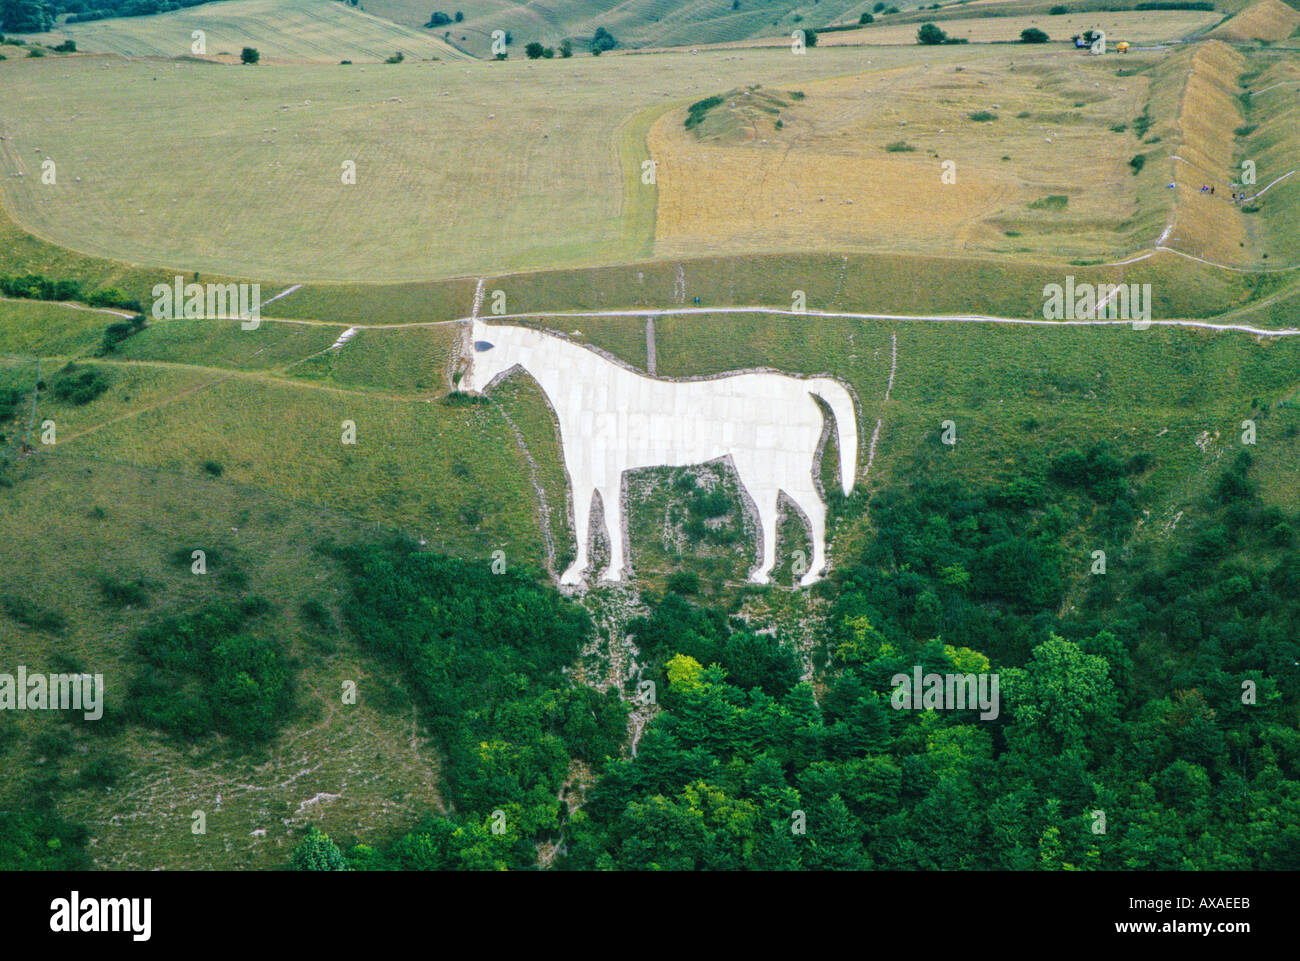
[(482, 345)]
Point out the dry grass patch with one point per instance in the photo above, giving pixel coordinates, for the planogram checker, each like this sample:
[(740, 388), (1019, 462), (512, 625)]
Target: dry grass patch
[(1208, 225), (858, 163), (1266, 20)]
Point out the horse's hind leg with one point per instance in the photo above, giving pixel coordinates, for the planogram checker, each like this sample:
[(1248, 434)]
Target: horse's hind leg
[(811, 504), (765, 503), (581, 524)]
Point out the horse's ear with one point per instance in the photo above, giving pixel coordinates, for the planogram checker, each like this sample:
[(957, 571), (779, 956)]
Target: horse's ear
[(482, 345)]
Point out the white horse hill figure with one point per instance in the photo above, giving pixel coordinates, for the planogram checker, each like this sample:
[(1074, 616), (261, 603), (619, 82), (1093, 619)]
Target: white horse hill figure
[(613, 419)]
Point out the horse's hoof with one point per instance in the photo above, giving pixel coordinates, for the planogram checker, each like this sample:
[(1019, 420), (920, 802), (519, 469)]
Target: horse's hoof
[(759, 577)]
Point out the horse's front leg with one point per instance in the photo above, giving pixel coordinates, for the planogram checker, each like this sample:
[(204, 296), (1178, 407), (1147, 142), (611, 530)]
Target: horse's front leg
[(612, 501)]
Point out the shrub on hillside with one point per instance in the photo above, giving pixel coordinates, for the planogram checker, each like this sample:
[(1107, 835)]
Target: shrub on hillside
[(931, 34), (114, 334), (1033, 35), (78, 385), (249, 55)]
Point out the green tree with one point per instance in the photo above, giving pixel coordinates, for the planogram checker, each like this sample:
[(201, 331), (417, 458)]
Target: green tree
[(931, 34), (316, 852), (249, 55)]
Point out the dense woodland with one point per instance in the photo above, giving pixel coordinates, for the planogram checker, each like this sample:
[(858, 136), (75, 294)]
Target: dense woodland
[(1124, 739)]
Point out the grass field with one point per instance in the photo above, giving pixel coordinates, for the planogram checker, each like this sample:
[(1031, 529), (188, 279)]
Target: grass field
[(422, 209), (281, 30), (262, 163)]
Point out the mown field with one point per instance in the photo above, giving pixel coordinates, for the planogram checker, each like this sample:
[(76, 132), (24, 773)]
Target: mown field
[(285, 30), (259, 170), (851, 156)]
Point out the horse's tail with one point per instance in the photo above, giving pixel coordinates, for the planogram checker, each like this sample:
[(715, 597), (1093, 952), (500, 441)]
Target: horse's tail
[(846, 425)]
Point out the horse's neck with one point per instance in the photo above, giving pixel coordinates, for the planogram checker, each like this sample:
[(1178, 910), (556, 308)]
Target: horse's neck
[(577, 362)]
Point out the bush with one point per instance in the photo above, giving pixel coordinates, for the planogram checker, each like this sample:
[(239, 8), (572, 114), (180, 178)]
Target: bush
[(930, 34), (78, 385), (207, 671), (697, 111), (534, 50), (983, 116), (1033, 35), (602, 40), (33, 615), (899, 146), (1058, 11), (1137, 163), (119, 594), (438, 19), (566, 49), (396, 58), (212, 467), (67, 46), (114, 334), (113, 297), (683, 582), (866, 18), (249, 55)]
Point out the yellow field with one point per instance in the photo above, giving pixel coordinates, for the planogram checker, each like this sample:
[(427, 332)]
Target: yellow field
[(825, 178), (1266, 20), (281, 30), (1208, 226)]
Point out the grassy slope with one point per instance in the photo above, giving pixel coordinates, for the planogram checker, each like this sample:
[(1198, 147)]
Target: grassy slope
[(636, 23), (361, 768)]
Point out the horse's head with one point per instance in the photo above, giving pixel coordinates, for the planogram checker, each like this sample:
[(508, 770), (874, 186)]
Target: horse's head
[(489, 357)]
